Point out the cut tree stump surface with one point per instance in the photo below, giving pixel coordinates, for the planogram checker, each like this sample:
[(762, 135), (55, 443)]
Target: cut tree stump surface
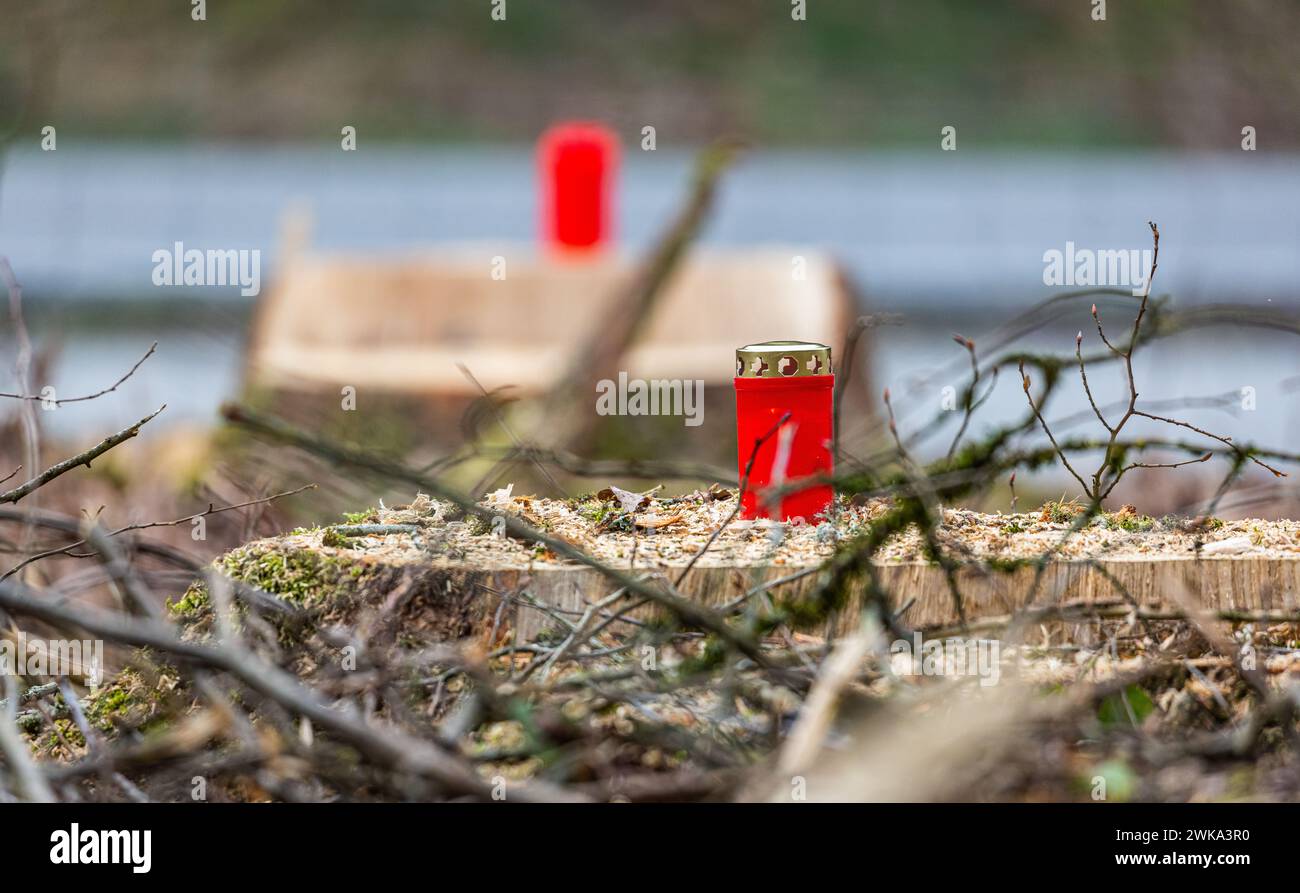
[(1245, 565)]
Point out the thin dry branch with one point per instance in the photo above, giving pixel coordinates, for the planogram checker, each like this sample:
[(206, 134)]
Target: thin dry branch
[(82, 458), (108, 390), (212, 509)]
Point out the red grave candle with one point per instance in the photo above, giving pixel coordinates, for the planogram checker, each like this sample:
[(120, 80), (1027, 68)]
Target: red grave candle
[(772, 379), (577, 164)]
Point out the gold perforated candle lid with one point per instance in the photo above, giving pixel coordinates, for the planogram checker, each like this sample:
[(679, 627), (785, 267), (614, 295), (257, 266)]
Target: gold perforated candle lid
[(783, 359)]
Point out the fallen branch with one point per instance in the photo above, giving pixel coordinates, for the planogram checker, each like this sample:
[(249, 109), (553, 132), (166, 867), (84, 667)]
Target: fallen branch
[(387, 746)]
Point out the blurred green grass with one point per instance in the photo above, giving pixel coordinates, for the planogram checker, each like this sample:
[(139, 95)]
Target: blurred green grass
[(891, 72)]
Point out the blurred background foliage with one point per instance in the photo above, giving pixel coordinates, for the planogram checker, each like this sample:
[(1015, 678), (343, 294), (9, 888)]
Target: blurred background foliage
[(1009, 72)]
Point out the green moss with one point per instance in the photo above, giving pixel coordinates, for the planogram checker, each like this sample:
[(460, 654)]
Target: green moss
[(604, 514), (477, 525), (112, 702), (369, 516), (126, 701), (335, 540), (131, 700), (1189, 525), (595, 510), (51, 741), (66, 731), (1128, 521), (302, 577), (193, 603), (1061, 511)]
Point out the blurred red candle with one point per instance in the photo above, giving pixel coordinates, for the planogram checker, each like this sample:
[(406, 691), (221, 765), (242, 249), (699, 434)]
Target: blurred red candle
[(577, 165), (772, 379)]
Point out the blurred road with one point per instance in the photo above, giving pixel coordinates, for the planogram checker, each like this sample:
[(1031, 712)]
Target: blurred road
[(940, 232)]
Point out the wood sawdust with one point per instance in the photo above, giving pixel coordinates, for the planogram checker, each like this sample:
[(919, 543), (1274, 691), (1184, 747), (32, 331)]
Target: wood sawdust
[(667, 532)]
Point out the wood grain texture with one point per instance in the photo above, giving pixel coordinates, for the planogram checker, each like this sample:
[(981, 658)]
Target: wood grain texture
[(1220, 583)]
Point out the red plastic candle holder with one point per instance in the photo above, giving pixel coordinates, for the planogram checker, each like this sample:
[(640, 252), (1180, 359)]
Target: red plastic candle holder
[(577, 164), (773, 379)]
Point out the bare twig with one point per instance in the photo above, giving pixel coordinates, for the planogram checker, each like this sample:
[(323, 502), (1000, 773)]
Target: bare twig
[(82, 458), (108, 390), (149, 525)]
